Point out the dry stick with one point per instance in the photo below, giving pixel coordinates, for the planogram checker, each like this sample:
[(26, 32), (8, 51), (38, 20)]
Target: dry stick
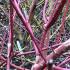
[(32, 9), (58, 51), (27, 25)]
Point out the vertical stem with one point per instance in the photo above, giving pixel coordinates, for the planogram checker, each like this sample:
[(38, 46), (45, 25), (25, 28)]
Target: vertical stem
[(10, 41), (11, 21), (44, 11), (64, 17)]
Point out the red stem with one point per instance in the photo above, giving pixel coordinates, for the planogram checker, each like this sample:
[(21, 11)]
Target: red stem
[(31, 52), (57, 52), (27, 25), (52, 20), (10, 41), (64, 17), (44, 11)]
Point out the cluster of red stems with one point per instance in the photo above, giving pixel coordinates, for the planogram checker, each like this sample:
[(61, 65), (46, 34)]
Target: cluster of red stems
[(43, 61)]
